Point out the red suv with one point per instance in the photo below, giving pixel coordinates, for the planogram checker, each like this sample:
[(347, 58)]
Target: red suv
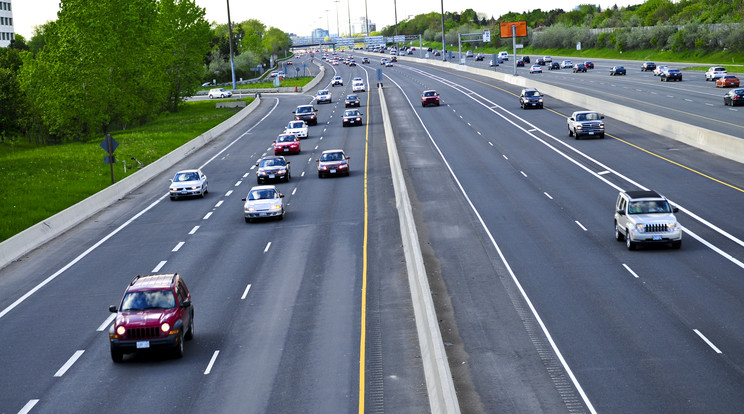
[(155, 312), (430, 97)]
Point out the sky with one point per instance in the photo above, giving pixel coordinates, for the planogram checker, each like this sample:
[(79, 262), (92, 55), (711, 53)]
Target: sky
[(302, 16)]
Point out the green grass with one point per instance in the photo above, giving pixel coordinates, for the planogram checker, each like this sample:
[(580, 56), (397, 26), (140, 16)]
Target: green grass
[(38, 181), (287, 82)]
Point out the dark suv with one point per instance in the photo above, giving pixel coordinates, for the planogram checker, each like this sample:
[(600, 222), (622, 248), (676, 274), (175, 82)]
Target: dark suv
[(155, 312), (306, 113), (530, 98)]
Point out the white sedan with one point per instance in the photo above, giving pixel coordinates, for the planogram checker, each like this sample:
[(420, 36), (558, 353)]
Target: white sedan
[(296, 128), (358, 87), (535, 69), (188, 183), (263, 201), (219, 93)]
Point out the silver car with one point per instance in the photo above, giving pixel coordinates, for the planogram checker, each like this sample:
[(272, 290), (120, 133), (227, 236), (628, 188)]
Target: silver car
[(646, 217), (324, 96), (188, 183), (219, 93), (263, 201)]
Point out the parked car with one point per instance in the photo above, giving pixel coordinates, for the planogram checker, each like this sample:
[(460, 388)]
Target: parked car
[(535, 69), (324, 96), (333, 162), (646, 217), (352, 117), (429, 98), (219, 93), (155, 313), (352, 100), (715, 72), (530, 98), (287, 144), (617, 70), (671, 75), (297, 128), (727, 81), (272, 168), (306, 113), (648, 66), (263, 201), (734, 97), (188, 183), (579, 67), (585, 123)]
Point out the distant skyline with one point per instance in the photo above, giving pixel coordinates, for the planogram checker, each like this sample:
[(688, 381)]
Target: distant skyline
[(301, 17)]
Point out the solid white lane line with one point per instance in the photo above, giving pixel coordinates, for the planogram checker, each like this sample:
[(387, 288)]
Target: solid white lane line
[(630, 271), (194, 230), (548, 195), (219, 203), (207, 216), (710, 344), (245, 293), (211, 362), (267, 247), (159, 266), (582, 227), (27, 408), (69, 363), (227, 194), (106, 323)]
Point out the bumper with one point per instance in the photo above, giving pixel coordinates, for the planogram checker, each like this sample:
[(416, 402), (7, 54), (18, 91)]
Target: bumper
[(271, 177), (263, 214), (130, 346), (650, 238), (185, 193)]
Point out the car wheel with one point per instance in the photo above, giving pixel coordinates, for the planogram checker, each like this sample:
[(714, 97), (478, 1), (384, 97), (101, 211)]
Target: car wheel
[(320, 175), (117, 356), (178, 351), (618, 234), (629, 243), (247, 220), (570, 132), (601, 136), (174, 198), (676, 244), (190, 334), (281, 216)]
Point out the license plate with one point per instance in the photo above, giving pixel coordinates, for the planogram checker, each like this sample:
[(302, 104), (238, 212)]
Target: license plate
[(333, 171), (143, 344), (271, 176), (591, 132), (657, 238), (286, 149), (262, 214), (184, 192), (351, 122)]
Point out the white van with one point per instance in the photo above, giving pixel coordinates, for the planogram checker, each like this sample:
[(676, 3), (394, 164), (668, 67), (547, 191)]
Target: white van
[(503, 55)]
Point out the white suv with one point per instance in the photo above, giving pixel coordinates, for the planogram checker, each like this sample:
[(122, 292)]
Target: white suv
[(337, 80), (219, 93), (715, 72), (643, 217)]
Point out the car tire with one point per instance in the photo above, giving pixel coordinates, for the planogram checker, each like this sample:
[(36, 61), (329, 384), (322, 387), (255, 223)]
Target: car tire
[(117, 356), (320, 175), (676, 244), (178, 350), (190, 334), (281, 216), (247, 220), (174, 198), (570, 132), (619, 236), (629, 243), (601, 136)]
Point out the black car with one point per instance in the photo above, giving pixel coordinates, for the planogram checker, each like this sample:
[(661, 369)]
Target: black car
[(480, 56), (526, 59), (617, 70), (306, 113), (272, 168), (734, 97), (520, 63), (554, 65), (671, 75), (530, 98), (540, 61), (589, 64), (579, 67), (648, 66), (351, 100)]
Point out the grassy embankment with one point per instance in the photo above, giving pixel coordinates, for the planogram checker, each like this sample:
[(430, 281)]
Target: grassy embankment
[(41, 181)]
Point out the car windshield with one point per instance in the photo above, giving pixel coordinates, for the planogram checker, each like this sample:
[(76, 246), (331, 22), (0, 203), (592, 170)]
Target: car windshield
[(351, 98), (273, 162), (296, 124), (649, 207), (351, 113), (263, 194), (531, 93), (186, 176), (332, 156), (286, 138), (322, 92), (304, 110), (429, 93), (153, 299)]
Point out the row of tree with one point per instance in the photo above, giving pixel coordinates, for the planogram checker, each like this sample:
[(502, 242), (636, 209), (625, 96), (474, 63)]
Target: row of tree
[(110, 64)]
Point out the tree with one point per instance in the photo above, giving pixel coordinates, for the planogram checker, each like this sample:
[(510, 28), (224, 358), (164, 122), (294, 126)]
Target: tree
[(275, 41)]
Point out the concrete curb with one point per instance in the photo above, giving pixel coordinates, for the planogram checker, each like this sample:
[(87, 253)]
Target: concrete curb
[(46, 230), (717, 143), (439, 383)]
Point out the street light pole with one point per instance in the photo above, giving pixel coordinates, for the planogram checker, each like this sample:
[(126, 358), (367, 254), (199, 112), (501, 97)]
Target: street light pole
[(366, 18), (444, 47), (230, 41), (338, 32), (395, 7), (349, 8)]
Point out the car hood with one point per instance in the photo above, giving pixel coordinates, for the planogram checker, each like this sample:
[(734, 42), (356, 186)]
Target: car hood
[(331, 163), (263, 204), (272, 169), (186, 183), (150, 317), (285, 144), (652, 217)]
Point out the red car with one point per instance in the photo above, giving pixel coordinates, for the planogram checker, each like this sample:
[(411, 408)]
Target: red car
[(155, 312), (727, 81), (430, 97), (287, 144)]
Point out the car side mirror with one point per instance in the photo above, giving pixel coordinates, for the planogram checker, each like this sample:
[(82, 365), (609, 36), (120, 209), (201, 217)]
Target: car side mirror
[(113, 309), (289, 162), (621, 212), (675, 210), (186, 303), (256, 164), (348, 158), (281, 195), (274, 142), (318, 161), (571, 119), (294, 112), (601, 117)]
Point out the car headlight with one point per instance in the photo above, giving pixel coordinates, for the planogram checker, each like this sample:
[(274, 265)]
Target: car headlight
[(640, 227), (172, 189), (276, 207), (601, 126), (250, 209), (672, 225), (120, 330), (165, 327)]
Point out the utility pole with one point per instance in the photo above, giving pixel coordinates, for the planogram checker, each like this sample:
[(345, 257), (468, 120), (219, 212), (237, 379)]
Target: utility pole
[(230, 41), (444, 47)]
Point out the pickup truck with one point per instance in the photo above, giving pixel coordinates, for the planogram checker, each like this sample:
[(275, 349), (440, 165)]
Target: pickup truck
[(586, 123)]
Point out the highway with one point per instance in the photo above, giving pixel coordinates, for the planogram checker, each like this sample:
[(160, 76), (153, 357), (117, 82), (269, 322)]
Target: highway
[(540, 309)]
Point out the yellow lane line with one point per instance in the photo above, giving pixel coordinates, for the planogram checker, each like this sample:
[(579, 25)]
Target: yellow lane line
[(363, 324)]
